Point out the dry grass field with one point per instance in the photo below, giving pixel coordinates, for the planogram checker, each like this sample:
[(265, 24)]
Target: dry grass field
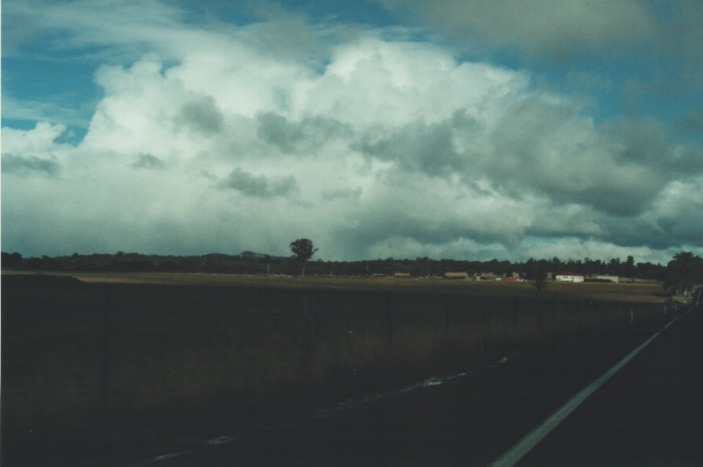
[(590, 290), (77, 347)]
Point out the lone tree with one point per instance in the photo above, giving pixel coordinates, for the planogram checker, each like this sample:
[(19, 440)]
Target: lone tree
[(537, 271), (303, 250)]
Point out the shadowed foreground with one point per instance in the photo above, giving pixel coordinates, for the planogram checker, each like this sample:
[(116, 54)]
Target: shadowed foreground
[(111, 372)]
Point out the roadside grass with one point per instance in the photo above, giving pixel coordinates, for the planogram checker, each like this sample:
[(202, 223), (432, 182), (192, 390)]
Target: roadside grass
[(133, 343)]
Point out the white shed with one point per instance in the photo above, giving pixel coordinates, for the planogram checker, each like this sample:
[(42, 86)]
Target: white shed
[(569, 277)]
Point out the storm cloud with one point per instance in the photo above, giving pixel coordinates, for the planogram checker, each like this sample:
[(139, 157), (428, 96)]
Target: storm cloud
[(259, 186), (28, 165), (542, 27), (373, 143)]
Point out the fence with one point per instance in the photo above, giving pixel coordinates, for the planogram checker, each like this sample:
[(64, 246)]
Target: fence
[(120, 348)]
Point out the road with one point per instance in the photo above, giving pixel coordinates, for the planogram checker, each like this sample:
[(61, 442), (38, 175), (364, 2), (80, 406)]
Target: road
[(649, 412)]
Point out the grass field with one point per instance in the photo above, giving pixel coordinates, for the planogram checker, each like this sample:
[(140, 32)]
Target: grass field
[(590, 290), (79, 346)]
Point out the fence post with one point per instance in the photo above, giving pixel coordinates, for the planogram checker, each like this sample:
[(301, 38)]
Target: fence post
[(446, 321), (104, 370), (389, 319), (308, 336), (104, 362)]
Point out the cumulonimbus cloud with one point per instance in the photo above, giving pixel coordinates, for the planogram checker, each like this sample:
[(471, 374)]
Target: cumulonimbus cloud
[(393, 147)]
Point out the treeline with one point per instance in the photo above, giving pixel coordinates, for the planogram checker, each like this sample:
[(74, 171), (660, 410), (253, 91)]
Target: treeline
[(684, 273), (255, 263)]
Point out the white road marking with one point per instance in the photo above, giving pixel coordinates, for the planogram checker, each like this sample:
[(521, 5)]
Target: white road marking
[(525, 445)]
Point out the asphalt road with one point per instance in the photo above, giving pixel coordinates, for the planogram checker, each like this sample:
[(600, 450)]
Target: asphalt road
[(650, 412)]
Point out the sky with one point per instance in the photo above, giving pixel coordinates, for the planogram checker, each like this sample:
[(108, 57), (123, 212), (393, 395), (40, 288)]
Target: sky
[(463, 129)]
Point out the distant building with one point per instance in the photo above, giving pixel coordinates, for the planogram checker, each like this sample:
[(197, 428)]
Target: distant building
[(569, 277), (486, 276), (604, 278), (402, 275), (513, 277)]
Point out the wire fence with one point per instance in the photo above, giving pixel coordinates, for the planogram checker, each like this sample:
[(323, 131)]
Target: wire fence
[(112, 348)]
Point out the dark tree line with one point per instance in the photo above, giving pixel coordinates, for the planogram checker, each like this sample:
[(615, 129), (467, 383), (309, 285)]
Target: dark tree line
[(683, 265), (684, 273)]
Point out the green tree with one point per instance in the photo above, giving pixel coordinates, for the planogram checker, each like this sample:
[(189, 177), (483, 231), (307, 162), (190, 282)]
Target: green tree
[(684, 272), (537, 272), (540, 278), (303, 250), (13, 260), (630, 266)]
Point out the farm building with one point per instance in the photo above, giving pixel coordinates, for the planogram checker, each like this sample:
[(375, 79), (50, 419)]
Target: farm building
[(603, 278), (402, 275), (569, 277)]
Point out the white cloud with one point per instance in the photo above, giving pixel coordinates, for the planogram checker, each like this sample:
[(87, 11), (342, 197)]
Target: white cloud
[(109, 29), (39, 142), (392, 148), (576, 248)]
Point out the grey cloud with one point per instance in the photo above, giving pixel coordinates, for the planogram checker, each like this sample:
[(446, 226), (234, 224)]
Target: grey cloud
[(683, 227), (693, 122), (276, 130), (549, 27), (641, 140), (149, 162), (664, 36), (535, 147), (672, 218), (542, 148), (551, 150), (649, 142), (678, 211), (687, 159), (419, 147), (343, 193), (298, 137), (201, 115), (426, 221), (106, 30), (642, 230), (572, 220), (29, 165), (260, 186)]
